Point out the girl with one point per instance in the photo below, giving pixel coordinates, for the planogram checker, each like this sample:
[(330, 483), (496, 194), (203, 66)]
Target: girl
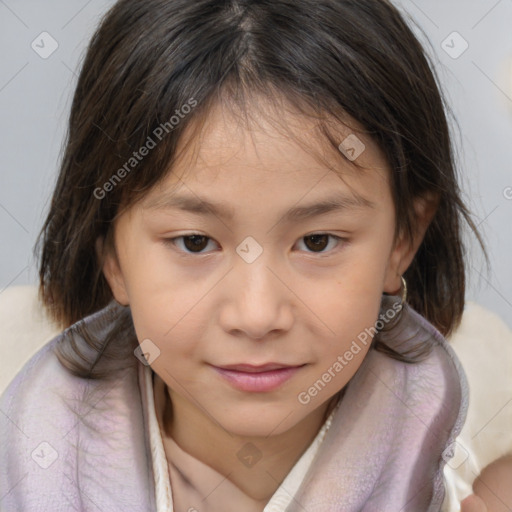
[(254, 247)]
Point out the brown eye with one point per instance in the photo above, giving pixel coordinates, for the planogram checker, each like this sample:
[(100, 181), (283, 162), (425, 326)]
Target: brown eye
[(321, 243), (316, 242), (189, 244), (195, 243)]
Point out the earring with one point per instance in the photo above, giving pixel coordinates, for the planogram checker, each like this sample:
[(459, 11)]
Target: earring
[(403, 295)]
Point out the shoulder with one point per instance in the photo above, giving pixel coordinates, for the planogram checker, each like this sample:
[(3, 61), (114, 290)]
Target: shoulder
[(36, 389), (33, 414), (396, 424), (65, 437), (430, 404)]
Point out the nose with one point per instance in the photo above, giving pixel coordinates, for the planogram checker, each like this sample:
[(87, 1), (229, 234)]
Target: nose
[(258, 303)]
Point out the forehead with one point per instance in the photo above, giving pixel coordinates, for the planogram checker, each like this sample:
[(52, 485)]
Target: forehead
[(267, 153)]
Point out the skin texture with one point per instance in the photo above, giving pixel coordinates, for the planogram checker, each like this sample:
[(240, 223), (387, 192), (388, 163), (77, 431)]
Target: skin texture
[(292, 305), (493, 490)]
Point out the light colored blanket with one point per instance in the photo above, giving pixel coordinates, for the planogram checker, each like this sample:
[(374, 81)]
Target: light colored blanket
[(76, 444)]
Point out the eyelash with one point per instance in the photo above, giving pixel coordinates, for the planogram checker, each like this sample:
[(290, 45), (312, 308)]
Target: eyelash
[(172, 241)]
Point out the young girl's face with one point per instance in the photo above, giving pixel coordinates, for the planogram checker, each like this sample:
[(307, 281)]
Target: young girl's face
[(255, 253)]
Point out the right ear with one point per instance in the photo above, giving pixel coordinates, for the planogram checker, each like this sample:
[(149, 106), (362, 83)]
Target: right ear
[(111, 269)]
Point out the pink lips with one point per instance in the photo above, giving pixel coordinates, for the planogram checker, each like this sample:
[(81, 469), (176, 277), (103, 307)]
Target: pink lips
[(257, 379)]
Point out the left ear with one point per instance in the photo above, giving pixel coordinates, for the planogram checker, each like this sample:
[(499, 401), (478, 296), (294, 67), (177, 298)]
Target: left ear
[(405, 249)]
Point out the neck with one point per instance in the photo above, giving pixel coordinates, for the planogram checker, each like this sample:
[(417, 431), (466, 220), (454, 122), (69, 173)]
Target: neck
[(231, 455)]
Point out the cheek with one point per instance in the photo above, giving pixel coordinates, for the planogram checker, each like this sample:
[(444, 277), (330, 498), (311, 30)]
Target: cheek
[(168, 314), (350, 300), (352, 328), (173, 335), (350, 311), (348, 306), (170, 321), (162, 296)]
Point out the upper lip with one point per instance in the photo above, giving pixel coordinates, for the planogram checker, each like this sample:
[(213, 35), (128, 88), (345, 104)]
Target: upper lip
[(250, 368)]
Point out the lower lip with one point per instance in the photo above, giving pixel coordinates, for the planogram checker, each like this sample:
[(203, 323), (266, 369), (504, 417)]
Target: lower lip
[(258, 382)]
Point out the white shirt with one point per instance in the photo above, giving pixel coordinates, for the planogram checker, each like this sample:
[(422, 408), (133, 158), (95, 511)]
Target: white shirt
[(280, 499)]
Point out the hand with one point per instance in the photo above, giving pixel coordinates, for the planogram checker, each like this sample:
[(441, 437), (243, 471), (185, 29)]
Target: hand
[(492, 490), (473, 504)]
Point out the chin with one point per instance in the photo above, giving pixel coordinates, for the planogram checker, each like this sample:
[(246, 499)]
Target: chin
[(260, 422)]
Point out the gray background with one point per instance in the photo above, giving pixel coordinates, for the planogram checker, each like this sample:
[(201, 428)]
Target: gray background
[(35, 97)]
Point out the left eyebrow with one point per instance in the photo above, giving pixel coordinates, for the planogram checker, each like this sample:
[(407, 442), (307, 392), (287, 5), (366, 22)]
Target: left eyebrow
[(203, 206), (332, 204)]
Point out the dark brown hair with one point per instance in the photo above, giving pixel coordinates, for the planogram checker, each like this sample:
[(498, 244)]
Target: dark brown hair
[(149, 59)]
